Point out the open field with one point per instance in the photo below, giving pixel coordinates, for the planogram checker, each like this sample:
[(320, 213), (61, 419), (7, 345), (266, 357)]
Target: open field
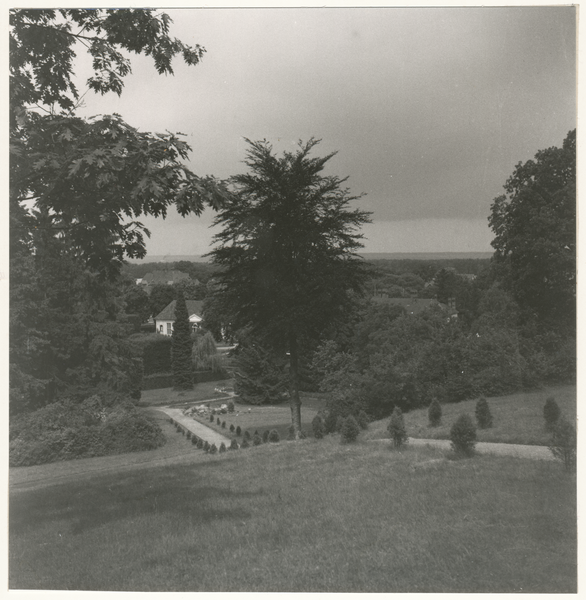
[(517, 418), (303, 516)]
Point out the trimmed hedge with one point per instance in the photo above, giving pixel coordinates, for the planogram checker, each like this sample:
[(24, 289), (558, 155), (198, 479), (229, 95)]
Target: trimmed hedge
[(157, 381)]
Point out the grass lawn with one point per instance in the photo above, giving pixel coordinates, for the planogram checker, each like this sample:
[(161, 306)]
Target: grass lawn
[(517, 418), (252, 418), (201, 391), (309, 516)]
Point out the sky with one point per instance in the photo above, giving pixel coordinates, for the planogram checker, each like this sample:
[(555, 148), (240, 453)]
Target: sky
[(429, 109)]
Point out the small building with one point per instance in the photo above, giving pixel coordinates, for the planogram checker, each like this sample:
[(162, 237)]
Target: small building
[(166, 318)]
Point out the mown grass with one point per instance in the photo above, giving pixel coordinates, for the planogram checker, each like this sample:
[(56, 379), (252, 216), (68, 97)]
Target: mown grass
[(517, 418), (200, 391), (262, 418), (309, 516)]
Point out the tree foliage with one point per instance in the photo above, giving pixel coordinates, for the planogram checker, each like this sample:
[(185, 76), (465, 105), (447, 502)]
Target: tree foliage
[(181, 347), (534, 224), (287, 249), (77, 188)]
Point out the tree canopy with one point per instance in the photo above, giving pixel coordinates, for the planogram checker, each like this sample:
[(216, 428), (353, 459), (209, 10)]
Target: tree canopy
[(534, 224), (288, 251)]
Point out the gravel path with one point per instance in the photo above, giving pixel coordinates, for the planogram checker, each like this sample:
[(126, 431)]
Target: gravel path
[(516, 450), (207, 434)]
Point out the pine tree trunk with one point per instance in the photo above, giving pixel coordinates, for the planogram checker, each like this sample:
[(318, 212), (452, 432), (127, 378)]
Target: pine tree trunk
[(294, 399)]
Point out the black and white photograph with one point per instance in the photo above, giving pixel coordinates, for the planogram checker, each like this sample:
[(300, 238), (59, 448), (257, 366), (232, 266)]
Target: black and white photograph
[(292, 299)]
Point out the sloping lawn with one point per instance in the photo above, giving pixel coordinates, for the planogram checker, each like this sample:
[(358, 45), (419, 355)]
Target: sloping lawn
[(307, 516), (517, 419), (201, 391)]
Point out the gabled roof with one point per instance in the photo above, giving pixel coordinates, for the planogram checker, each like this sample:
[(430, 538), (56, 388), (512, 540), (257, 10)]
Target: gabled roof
[(194, 307)]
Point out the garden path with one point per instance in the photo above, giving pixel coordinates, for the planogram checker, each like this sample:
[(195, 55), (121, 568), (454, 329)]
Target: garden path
[(516, 450), (207, 434)]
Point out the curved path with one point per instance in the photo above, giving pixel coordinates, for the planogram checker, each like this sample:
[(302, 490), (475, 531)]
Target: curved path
[(207, 434), (515, 450)]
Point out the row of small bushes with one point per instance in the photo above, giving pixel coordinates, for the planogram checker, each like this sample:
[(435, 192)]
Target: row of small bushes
[(348, 427), (248, 440)]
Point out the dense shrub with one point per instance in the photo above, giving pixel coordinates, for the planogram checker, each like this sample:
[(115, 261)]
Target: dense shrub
[(274, 436), (188, 434), (463, 436), (551, 413), (211, 417), (330, 422), (230, 406), (222, 447), (156, 353), (218, 421), (238, 430), (181, 346), (434, 413), (64, 431), (396, 428), (483, 414), (194, 440), (200, 444), (247, 435), (317, 426), (233, 445), (256, 440), (265, 436), (223, 424), (206, 446), (245, 443), (349, 430), (563, 443), (232, 429), (213, 449), (362, 419)]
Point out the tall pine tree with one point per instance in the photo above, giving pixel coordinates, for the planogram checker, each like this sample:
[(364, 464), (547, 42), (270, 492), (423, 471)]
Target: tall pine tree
[(181, 346)]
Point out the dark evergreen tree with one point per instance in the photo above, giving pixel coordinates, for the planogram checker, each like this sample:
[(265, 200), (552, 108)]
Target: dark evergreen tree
[(396, 428), (463, 436), (434, 413), (483, 414), (349, 430), (288, 251), (181, 348)]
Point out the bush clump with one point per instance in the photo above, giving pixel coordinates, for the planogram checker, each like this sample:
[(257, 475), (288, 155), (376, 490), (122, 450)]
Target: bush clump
[(65, 431), (206, 446), (551, 413), (233, 444), (265, 436), (483, 414), (317, 425), (247, 435), (349, 430), (330, 422), (563, 443), (434, 413), (211, 417), (222, 447), (230, 406), (245, 443), (396, 428), (223, 424), (232, 428), (363, 420), (213, 449), (218, 421), (200, 444), (463, 436), (274, 436), (256, 440), (238, 430), (194, 440)]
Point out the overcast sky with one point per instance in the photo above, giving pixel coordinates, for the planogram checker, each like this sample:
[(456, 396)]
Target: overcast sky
[(430, 109)]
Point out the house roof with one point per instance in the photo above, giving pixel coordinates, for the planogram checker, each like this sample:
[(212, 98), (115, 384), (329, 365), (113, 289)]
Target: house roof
[(167, 277), (194, 308)]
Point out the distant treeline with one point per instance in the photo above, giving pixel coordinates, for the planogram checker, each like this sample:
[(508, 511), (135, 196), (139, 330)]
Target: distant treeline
[(424, 268)]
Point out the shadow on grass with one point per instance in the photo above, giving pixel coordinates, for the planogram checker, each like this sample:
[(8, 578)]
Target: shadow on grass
[(181, 491)]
